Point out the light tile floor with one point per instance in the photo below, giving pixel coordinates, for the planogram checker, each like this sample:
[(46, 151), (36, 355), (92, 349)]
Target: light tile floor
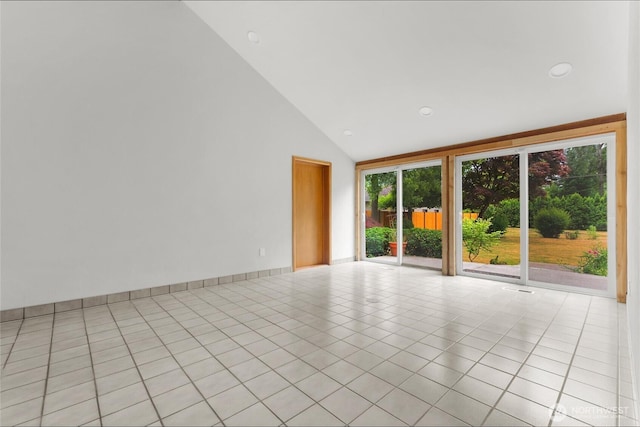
[(357, 344)]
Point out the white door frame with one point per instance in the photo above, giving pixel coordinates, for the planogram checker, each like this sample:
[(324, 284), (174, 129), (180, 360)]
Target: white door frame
[(399, 205)]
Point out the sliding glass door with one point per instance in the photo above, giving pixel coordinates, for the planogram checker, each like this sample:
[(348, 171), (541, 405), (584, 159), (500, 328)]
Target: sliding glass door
[(490, 204), (380, 216), (402, 218), (540, 215), (568, 224), (422, 216)]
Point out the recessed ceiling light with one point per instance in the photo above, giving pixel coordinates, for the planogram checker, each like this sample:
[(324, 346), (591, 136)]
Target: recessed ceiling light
[(253, 37), (425, 111), (347, 132), (560, 70)]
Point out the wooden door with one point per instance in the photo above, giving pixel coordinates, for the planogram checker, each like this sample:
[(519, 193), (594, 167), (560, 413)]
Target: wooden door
[(311, 212)]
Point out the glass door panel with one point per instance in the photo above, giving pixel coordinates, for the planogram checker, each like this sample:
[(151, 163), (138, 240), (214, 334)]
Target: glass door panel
[(491, 216), (380, 216), (568, 240), (422, 220)]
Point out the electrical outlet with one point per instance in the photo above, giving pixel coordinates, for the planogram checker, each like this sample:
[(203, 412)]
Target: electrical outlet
[(262, 252)]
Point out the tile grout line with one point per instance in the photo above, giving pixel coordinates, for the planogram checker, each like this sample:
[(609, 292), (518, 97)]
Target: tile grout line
[(382, 319), (441, 351), (401, 350), (136, 365), (475, 364), (13, 343), (234, 318), (46, 381), (458, 341), (271, 369), (212, 355), (365, 314), (617, 367), (370, 325), (23, 317), (309, 308), (93, 372), (514, 376), (570, 364), (176, 360), (319, 370), (396, 314), (394, 387), (340, 359)]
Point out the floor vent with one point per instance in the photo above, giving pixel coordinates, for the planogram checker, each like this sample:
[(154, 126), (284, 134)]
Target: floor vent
[(526, 291)]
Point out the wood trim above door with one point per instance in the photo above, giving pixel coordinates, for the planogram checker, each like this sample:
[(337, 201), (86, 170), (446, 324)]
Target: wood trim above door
[(311, 212)]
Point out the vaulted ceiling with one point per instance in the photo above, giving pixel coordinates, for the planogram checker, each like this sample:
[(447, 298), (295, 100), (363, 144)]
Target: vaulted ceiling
[(367, 67)]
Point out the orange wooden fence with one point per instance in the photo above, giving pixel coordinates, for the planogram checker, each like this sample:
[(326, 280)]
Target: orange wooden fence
[(433, 220), (428, 220)]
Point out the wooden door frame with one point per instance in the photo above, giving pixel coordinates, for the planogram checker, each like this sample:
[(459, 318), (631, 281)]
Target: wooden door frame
[(326, 246)]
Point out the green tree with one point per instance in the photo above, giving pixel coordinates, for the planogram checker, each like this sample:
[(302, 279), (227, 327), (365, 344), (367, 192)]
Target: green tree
[(422, 187), (579, 209), (489, 181), (588, 171), (374, 183), (511, 209)]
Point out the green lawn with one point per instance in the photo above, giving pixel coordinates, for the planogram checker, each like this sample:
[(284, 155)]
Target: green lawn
[(560, 251)]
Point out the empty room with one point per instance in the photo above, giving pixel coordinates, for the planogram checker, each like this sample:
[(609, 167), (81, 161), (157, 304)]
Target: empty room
[(294, 213)]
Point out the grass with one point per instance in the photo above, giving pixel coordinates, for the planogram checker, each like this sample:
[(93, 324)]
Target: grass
[(561, 251)]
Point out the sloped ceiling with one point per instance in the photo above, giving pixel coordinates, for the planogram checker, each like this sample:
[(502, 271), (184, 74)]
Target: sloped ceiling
[(482, 66)]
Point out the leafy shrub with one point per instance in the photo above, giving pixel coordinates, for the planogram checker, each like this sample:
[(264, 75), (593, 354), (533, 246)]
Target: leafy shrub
[(504, 214), (579, 208), (583, 211), (423, 242), (476, 236), (536, 205), (491, 211), (499, 222), (551, 222), (377, 240), (594, 261), (592, 233), (572, 235), (599, 216), (511, 209)]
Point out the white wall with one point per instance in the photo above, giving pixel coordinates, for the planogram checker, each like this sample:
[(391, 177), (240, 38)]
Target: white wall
[(139, 150), (633, 178)]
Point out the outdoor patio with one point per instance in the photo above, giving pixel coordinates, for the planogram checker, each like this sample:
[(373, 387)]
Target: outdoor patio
[(538, 272)]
